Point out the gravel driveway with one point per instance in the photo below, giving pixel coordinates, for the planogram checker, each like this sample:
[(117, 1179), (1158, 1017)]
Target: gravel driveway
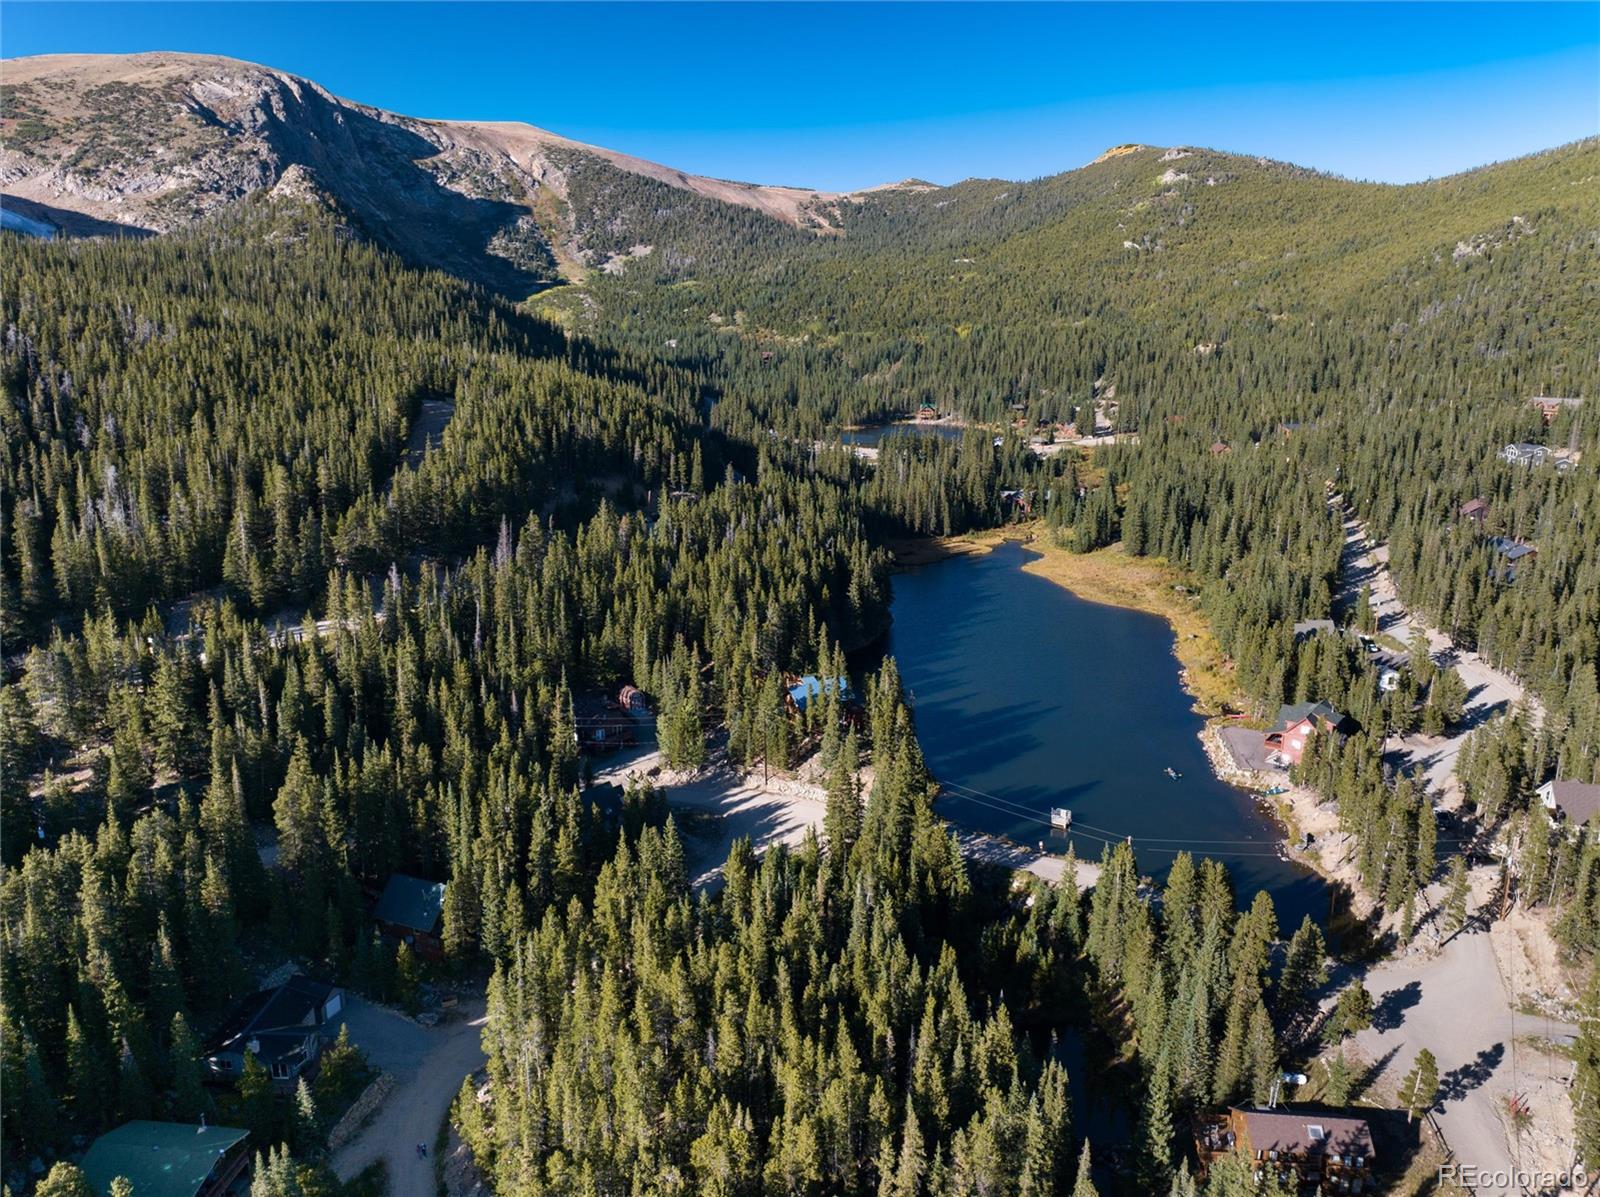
[(428, 1065), (1454, 1004)]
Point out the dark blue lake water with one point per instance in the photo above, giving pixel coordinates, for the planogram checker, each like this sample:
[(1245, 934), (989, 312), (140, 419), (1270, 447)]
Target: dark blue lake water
[(1028, 697), (875, 434)]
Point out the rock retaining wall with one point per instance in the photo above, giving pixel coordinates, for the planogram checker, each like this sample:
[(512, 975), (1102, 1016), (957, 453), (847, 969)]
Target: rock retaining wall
[(363, 1108)]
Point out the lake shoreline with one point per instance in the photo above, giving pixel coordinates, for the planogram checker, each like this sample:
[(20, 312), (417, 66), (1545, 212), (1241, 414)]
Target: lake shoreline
[(1017, 658), (1110, 576), (1149, 584)]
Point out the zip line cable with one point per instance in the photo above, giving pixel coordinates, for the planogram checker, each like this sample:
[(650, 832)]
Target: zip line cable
[(1105, 834)]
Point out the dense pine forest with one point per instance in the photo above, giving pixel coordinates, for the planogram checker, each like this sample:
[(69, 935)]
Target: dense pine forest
[(250, 594)]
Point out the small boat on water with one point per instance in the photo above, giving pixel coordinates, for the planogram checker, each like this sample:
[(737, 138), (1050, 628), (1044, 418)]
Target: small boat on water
[(1061, 817), (1172, 773)]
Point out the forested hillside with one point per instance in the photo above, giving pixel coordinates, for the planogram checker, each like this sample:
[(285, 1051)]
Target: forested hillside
[(1270, 334), (303, 544)]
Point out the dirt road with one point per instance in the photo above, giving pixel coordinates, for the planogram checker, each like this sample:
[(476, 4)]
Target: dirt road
[(1454, 1004), (1489, 690), (428, 1065)]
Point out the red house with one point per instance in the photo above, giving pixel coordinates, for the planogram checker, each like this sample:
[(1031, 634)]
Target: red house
[(1286, 742)]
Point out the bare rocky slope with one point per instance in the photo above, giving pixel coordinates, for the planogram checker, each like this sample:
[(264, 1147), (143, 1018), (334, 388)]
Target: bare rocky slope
[(146, 143)]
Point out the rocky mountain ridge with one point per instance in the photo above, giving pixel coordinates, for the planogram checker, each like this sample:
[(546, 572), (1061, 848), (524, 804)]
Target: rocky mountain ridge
[(147, 143)]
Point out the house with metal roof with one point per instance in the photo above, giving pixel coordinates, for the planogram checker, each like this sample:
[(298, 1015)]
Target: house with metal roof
[(282, 1027), (811, 687), (412, 910), (1550, 406), (168, 1159), (1524, 453), (1513, 554)]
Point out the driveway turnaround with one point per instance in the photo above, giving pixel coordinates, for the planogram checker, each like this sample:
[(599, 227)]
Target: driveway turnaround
[(428, 1064)]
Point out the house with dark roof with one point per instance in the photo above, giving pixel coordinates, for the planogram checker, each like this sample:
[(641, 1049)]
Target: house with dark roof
[(1308, 1151), (1476, 510), (1297, 723), (412, 910), (168, 1159), (1576, 802), (603, 725), (1513, 555), (282, 1027)]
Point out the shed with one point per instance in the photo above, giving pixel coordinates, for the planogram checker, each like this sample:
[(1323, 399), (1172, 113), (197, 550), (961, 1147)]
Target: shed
[(167, 1159), (411, 910)]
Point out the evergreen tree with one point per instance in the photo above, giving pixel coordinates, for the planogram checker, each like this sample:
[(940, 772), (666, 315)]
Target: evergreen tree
[(64, 1180), (1420, 1088)]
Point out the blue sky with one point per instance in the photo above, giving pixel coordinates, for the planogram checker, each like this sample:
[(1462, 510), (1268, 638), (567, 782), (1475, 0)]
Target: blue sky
[(846, 95)]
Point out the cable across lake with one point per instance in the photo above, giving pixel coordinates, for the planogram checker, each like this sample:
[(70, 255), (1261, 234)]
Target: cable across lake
[(1029, 698)]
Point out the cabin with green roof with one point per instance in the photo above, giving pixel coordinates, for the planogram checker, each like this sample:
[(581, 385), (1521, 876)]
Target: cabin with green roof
[(411, 910), (168, 1159)]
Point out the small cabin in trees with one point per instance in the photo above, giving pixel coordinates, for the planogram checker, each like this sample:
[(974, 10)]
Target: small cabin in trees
[(927, 411), (604, 725), (632, 700), (1307, 628), (412, 910), (1476, 510), (1017, 500), (283, 1027), (810, 688), (1305, 1151), (1575, 802), (1551, 406), (1286, 742), (168, 1159)]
